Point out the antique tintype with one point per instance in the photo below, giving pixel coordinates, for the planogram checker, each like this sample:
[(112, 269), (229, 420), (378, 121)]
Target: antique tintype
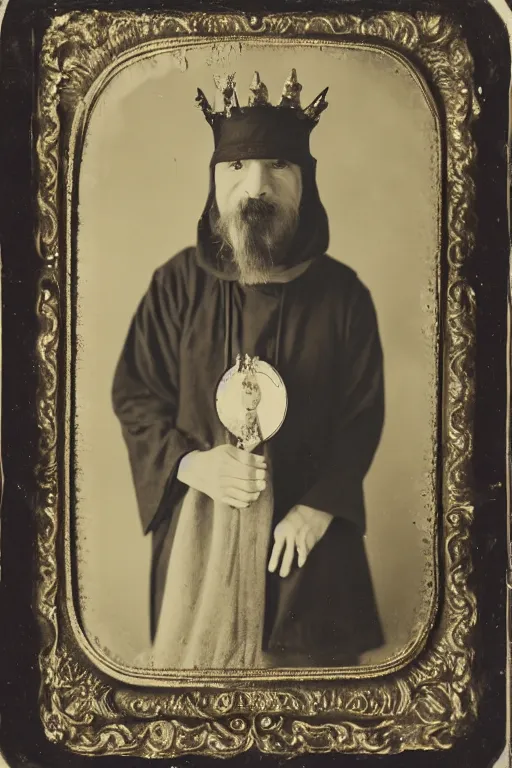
[(256, 391), (258, 557), (261, 550)]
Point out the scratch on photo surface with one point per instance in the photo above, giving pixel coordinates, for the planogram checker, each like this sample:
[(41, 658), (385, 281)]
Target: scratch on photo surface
[(222, 54)]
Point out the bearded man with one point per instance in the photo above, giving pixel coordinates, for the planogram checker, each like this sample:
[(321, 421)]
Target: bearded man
[(258, 556)]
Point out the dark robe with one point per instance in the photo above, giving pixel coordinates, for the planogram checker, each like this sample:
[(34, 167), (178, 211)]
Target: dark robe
[(320, 332)]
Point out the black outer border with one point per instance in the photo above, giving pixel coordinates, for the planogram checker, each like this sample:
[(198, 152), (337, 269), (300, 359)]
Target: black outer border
[(21, 737)]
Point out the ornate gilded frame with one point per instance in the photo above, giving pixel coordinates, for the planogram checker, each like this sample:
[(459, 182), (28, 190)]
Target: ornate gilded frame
[(427, 703)]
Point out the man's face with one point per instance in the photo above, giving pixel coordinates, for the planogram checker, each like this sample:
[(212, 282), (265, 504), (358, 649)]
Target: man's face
[(251, 393), (258, 203)]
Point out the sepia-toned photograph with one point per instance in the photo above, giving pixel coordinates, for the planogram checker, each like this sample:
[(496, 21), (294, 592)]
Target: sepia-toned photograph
[(257, 261), (255, 411), (258, 520)]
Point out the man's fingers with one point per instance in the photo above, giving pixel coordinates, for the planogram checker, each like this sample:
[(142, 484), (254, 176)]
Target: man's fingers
[(276, 553), (302, 546), (235, 502), (249, 459), (250, 486), (289, 552), (311, 540), (240, 494), (243, 473)]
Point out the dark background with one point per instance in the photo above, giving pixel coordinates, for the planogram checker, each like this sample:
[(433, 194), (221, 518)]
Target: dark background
[(21, 737)]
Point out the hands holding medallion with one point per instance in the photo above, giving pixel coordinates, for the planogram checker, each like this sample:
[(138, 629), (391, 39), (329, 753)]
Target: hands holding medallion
[(225, 474)]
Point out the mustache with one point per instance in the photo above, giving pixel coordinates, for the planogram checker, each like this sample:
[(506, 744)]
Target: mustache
[(256, 209)]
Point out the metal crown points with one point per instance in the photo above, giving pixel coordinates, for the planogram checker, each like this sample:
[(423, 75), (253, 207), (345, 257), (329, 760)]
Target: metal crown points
[(317, 106), (258, 96), (291, 91), (204, 104), (246, 364), (226, 84)]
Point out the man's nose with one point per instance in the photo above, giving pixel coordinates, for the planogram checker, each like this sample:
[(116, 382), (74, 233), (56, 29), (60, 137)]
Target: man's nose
[(256, 181)]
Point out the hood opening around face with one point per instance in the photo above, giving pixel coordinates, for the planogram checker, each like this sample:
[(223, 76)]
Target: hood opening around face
[(310, 241)]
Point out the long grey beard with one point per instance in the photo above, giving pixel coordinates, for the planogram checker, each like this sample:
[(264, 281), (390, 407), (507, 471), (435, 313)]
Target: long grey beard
[(259, 235)]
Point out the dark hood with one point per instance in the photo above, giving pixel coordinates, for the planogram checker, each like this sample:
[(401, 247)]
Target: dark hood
[(311, 239)]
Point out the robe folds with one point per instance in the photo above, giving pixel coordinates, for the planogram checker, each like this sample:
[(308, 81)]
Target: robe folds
[(320, 332)]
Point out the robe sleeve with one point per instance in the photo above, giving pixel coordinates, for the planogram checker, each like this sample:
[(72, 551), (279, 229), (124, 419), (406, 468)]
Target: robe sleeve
[(357, 418), (145, 398)]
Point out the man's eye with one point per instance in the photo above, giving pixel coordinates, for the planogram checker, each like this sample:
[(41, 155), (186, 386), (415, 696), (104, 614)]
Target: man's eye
[(236, 165), (279, 164)]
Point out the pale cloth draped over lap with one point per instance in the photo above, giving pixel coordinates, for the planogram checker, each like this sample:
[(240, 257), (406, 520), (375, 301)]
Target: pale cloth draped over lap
[(214, 599)]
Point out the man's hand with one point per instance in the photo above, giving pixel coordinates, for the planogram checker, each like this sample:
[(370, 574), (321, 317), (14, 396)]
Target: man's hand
[(225, 474), (300, 530)]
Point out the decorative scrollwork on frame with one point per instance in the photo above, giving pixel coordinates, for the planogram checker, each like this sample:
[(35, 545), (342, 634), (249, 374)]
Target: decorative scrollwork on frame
[(428, 704)]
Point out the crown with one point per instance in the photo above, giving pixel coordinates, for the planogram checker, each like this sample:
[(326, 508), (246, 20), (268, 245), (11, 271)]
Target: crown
[(260, 129), (246, 364), (258, 97)]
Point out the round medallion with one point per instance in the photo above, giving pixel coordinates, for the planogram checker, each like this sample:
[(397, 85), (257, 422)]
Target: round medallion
[(251, 401)]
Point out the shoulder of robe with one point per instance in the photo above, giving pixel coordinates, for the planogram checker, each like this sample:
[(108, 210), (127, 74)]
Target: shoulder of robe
[(349, 297), (179, 279), (172, 285), (342, 277), (182, 267)]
